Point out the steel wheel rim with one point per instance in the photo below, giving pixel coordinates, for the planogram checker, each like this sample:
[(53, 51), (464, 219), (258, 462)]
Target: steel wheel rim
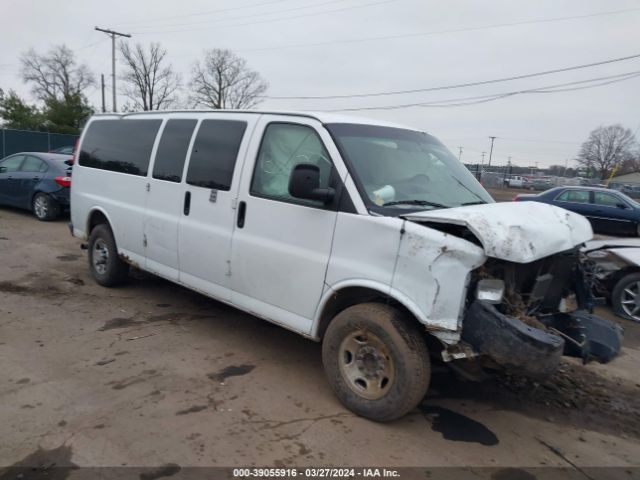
[(100, 256), (630, 300), (366, 364), (40, 207)]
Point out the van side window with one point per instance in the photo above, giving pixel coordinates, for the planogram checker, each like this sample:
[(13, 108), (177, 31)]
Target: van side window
[(121, 145), (172, 150), (214, 153), (284, 146)]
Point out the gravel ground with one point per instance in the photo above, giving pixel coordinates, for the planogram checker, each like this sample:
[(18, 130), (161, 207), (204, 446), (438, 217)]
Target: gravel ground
[(152, 374)]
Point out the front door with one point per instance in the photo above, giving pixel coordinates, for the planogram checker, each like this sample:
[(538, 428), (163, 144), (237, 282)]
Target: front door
[(281, 244), (612, 213), (9, 168), (27, 178)]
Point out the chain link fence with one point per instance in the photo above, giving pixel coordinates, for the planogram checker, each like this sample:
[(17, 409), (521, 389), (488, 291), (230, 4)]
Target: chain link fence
[(14, 141), (509, 176)]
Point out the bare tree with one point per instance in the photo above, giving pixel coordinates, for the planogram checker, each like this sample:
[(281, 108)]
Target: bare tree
[(150, 82), (223, 80), (55, 75), (607, 147)]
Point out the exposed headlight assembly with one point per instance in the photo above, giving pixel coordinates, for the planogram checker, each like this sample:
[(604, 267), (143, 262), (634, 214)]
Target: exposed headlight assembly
[(490, 290)]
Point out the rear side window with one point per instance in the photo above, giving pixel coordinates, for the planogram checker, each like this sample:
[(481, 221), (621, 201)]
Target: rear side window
[(214, 154), (119, 145), (172, 150), (33, 164)]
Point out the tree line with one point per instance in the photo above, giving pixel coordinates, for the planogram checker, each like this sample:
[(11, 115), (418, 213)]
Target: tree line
[(221, 79)]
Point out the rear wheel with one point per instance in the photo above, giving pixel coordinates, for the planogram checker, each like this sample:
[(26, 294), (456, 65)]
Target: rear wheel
[(44, 207), (376, 361), (625, 297), (106, 266)]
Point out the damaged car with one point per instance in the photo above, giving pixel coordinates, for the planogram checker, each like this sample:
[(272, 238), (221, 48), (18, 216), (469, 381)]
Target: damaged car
[(615, 268), (369, 237)]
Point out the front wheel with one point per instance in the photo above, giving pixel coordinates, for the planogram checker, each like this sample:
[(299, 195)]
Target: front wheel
[(625, 297), (44, 207), (106, 266), (376, 361)]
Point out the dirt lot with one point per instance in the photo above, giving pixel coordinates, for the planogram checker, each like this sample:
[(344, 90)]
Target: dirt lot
[(152, 374)]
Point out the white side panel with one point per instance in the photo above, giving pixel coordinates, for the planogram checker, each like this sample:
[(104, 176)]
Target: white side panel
[(433, 271), (121, 196), (364, 248)]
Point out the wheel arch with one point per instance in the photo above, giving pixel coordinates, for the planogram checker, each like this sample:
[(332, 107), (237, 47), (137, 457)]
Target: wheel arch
[(346, 294), (96, 217)]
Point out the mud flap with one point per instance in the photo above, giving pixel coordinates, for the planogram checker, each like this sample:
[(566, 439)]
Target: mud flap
[(510, 343), (589, 337)]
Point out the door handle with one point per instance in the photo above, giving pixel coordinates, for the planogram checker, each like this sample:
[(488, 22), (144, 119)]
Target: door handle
[(187, 203), (36, 178), (242, 211)]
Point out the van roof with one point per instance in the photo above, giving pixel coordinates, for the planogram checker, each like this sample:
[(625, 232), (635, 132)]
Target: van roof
[(323, 117)]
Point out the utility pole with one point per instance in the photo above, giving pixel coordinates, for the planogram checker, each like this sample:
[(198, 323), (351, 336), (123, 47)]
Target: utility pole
[(491, 151), (113, 36), (104, 108), (481, 167), (508, 168), (460, 154)]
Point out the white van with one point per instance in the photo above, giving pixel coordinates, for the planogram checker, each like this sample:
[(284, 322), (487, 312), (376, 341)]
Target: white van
[(367, 236)]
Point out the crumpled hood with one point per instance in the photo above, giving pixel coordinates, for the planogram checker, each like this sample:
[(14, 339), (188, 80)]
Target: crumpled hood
[(515, 231)]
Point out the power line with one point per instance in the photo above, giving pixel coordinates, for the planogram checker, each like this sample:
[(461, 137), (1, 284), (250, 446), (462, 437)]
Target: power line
[(439, 32), (242, 17), (449, 87), (271, 20), (199, 14), (457, 102)]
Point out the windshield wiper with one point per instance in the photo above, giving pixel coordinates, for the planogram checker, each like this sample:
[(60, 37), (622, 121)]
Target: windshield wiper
[(422, 203), (481, 202)]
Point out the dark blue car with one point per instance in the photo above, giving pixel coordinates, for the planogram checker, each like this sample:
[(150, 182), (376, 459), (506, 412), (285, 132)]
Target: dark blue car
[(609, 211), (36, 181)]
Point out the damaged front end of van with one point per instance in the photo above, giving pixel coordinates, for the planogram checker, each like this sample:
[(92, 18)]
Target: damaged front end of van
[(526, 299)]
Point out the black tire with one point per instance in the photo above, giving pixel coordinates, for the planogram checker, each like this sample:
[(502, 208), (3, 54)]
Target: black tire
[(407, 361), (628, 281), (44, 207), (108, 270)]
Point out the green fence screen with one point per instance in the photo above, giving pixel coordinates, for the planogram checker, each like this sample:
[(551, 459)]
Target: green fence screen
[(13, 141)]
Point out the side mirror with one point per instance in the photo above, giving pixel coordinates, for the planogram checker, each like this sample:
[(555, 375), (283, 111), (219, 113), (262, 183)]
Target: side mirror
[(304, 182), (621, 205), (3, 169)]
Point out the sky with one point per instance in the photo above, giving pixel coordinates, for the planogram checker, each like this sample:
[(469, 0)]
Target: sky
[(352, 47)]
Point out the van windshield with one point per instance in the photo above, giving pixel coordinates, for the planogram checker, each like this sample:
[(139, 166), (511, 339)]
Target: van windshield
[(398, 170)]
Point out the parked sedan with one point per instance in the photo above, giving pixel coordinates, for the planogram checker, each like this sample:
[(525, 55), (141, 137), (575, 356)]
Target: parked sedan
[(615, 265), (36, 181), (609, 211)]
